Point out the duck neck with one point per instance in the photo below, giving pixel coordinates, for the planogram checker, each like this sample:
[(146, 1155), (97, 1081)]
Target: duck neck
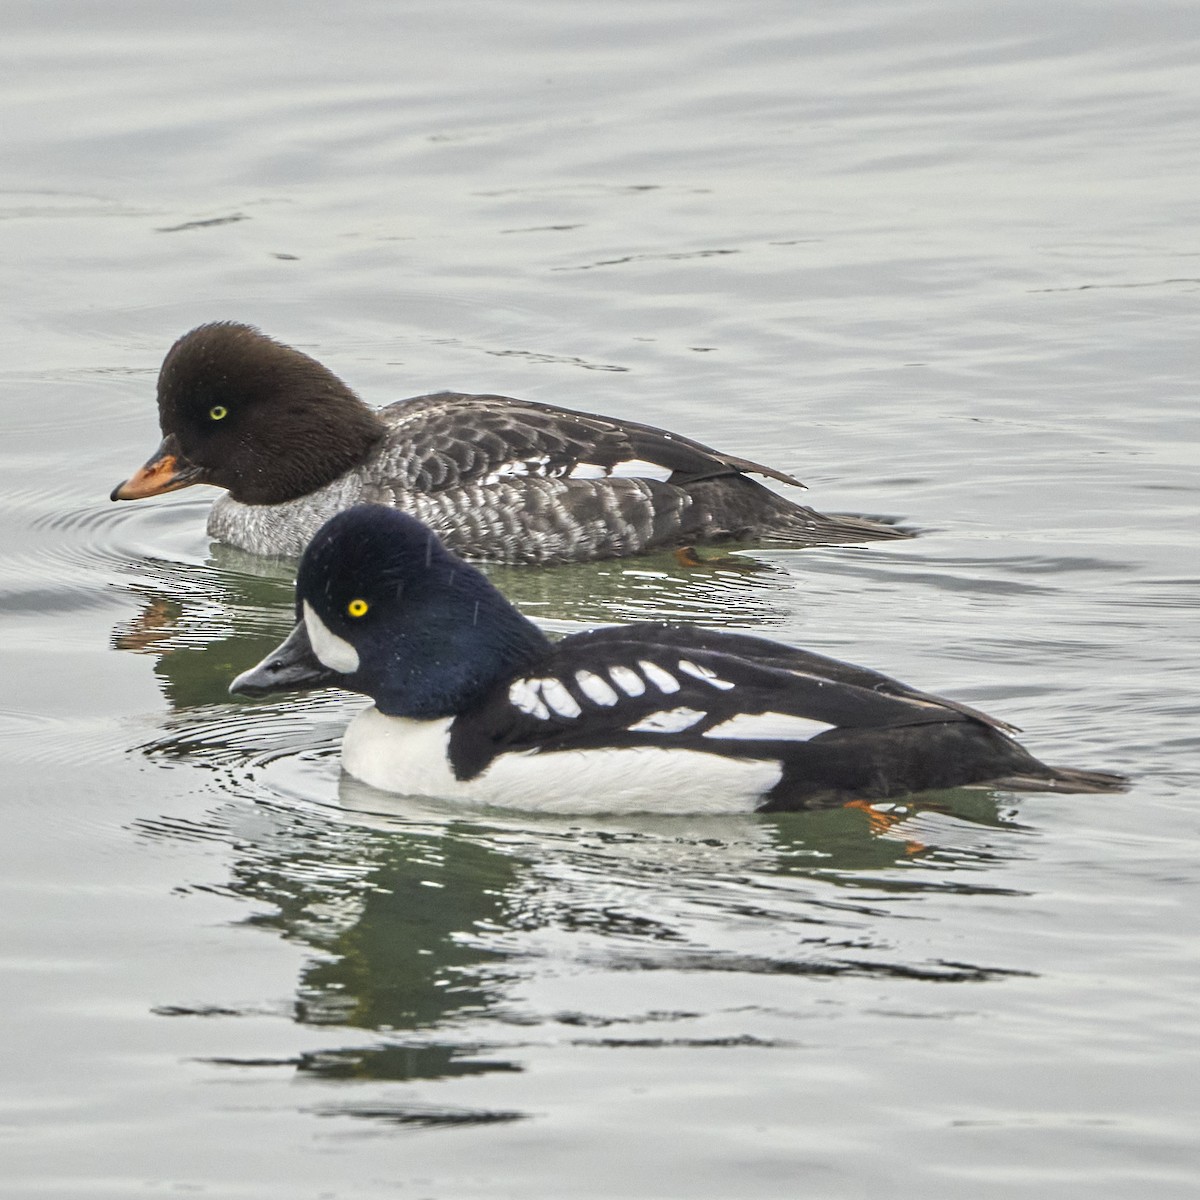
[(316, 452), (459, 665)]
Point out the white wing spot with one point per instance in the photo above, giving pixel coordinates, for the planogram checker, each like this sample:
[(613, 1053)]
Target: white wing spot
[(524, 467), (523, 694), (631, 468), (335, 652), (663, 680), (529, 466), (674, 720), (586, 471), (628, 680), (771, 726), (595, 689), (559, 699), (707, 674)]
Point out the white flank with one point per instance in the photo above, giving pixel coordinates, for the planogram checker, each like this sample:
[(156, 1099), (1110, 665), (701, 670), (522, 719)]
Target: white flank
[(770, 725), (595, 689), (523, 694), (629, 681), (335, 652), (663, 680), (559, 699), (674, 720), (409, 757), (707, 674)]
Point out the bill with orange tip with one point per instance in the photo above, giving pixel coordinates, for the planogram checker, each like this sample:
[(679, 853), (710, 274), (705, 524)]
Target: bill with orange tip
[(165, 471)]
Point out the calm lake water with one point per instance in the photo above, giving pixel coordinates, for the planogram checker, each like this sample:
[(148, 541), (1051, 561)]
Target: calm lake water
[(938, 259)]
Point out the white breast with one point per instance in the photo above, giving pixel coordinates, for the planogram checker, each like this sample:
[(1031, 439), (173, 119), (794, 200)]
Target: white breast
[(395, 754)]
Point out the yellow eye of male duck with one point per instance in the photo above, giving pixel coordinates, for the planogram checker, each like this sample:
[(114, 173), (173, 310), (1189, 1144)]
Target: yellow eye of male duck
[(218, 412), (357, 608)]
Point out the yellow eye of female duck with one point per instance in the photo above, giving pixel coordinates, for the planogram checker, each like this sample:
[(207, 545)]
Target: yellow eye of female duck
[(218, 412), (357, 607)]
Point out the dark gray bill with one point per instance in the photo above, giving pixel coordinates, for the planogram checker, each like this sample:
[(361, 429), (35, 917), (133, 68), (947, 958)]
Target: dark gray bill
[(290, 667)]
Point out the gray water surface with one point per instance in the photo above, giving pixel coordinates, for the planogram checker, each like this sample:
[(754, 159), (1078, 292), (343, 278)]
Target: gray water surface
[(940, 261)]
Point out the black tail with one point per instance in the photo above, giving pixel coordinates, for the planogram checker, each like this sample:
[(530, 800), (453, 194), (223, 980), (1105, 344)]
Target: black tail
[(1065, 779), (801, 526), (736, 508)]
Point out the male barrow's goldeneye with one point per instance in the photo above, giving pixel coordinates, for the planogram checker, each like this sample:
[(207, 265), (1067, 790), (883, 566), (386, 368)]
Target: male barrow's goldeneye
[(473, 703), (501, 480)]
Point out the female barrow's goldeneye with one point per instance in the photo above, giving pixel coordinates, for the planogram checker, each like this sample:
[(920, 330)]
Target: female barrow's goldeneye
[(473, 703), (501, 480)]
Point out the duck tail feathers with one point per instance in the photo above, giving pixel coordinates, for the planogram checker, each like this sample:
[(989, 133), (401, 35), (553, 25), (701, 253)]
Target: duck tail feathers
[(801, 526), (1066, 779)]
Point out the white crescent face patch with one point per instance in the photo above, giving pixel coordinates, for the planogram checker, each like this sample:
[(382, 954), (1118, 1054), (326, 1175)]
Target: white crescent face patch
[(334, 652)]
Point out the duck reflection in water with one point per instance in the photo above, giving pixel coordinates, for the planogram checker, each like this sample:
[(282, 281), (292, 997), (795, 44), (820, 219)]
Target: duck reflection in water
[(434, 934)]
